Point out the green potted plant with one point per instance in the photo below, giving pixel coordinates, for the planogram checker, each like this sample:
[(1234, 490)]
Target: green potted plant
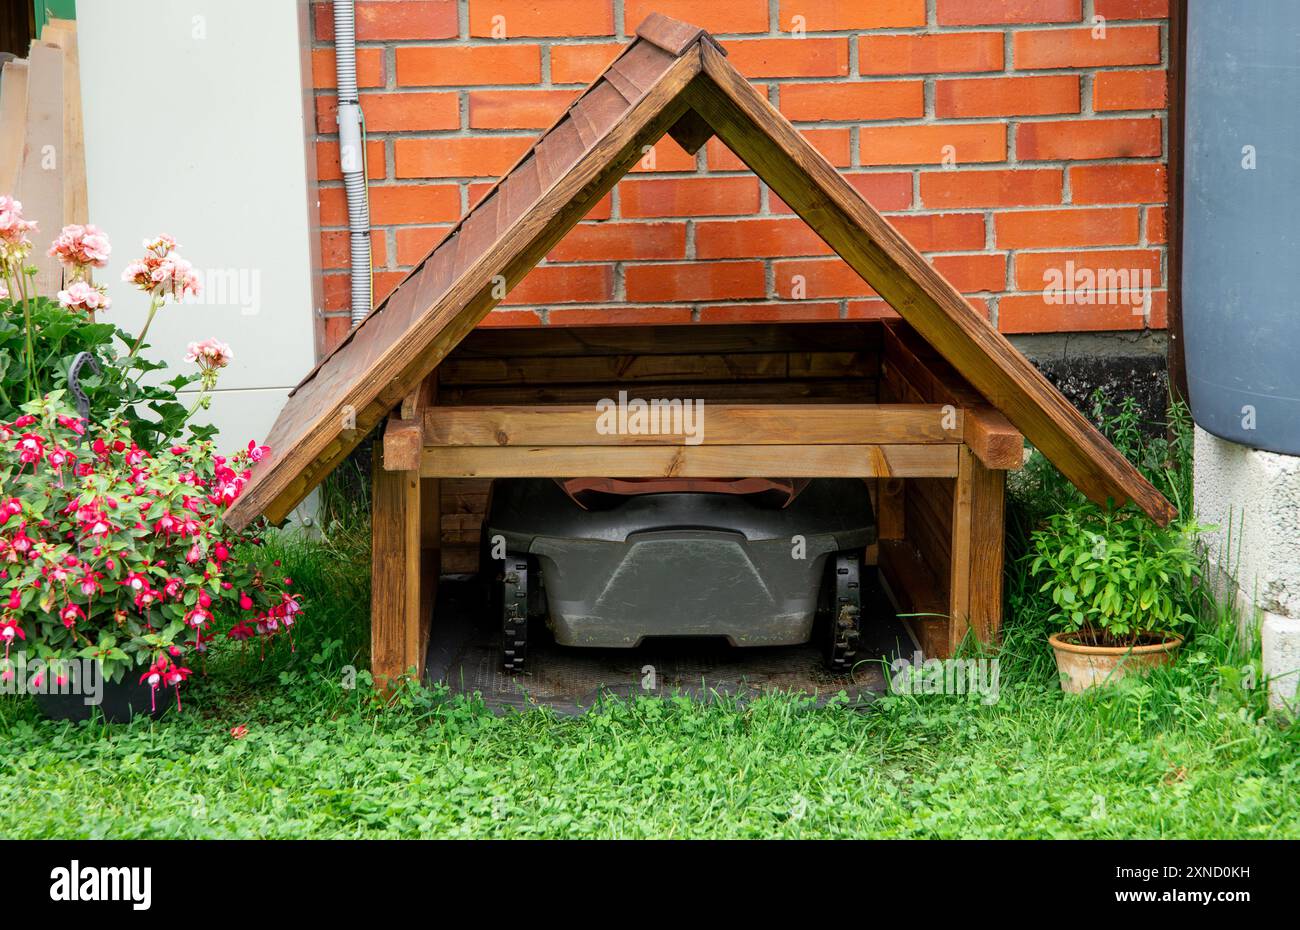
[(1121, 589)]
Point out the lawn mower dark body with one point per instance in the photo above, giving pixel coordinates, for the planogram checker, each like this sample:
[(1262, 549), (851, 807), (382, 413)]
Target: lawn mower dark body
[(617, 568)]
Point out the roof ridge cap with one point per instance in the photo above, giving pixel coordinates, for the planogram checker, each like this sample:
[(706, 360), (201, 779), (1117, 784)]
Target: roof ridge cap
[(673, 35)]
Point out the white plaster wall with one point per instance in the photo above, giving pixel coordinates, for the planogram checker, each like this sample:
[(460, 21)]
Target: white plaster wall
[(197, 121)]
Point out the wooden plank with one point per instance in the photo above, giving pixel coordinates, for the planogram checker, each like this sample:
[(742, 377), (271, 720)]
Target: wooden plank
[(395, 600), (40, 179), (718, 424), (704, 338), (960, 552), (757, 392), (804, 179), (987, 532), (403, 441), (856, 461), (62, 34), (890, 495), (606, 369), (308, 441), (916, 593), (13, 116)]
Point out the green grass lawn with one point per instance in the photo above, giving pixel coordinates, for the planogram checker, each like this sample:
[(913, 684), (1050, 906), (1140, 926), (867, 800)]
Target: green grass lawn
[(1188, 752)]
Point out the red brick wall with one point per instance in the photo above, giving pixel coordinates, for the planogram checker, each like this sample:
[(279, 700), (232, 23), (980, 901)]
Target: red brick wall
[(1056, 121)]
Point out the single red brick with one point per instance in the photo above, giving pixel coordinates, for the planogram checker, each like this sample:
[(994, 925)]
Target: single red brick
[(564, 284), (1089, 138), (1158, 311), (410, 111), (464, 157), (761, 58), (370, 68), (883, 190), (984, 271), (336, 248), (1156, 225), (1132, 9), (517, 109), (930, 53), (758, 238), (510, 319), (839, 15), (329, 169), (665, 155), (967, 143), (414, 243), (695, 281), (941, 232), (650, 197), (1009, 187), (618, 315), (510, 19), (1039, 229), (393, 204), (617, 242), (835, 144), (463, 66), (1000, 12), (581, 64), (856, 101), (720, 17), (1118, 184), (1086, 48), (1129, 90), (1034, 270), (1032, 313), (383, 20), (1009, 96), (770, 312)]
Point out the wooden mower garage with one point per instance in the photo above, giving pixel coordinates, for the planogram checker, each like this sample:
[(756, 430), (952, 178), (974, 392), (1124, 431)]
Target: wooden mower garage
[(929, 409)]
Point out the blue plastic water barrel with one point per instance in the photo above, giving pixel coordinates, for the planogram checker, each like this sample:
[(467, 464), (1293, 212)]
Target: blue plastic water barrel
[(1241, 221)]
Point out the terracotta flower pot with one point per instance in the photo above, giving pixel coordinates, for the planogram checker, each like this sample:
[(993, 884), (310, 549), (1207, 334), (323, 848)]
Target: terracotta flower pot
[(1082, 666)]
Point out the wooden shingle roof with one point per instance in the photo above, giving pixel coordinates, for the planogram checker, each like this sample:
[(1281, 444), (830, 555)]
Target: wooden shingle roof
[(672, 78)]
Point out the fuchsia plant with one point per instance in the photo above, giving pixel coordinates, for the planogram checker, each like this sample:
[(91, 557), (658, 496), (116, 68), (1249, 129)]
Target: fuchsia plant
[(114, 553), (110, 551)]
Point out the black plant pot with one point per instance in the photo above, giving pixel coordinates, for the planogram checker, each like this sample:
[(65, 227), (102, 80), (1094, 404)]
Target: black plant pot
[(121, 701)]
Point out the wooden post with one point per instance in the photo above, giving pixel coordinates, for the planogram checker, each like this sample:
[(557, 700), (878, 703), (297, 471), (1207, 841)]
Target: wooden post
[(405, 531), (975, 570), (395, 573)]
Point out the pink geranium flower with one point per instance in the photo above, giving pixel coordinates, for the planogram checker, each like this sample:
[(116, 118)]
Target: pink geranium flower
[(84, 297), (81, 247), (162, 272), (13, 229)]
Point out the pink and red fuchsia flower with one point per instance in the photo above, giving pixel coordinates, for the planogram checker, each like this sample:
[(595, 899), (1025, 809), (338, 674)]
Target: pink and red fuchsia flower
[(125, 556)]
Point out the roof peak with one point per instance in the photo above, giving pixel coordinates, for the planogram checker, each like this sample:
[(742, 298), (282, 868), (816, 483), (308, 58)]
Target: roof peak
[(673, 35)]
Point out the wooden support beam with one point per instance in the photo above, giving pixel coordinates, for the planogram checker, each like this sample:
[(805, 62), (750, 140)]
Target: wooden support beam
[(713, 424), (827, 461), (395, 600), (975, 580), (404, 434)]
